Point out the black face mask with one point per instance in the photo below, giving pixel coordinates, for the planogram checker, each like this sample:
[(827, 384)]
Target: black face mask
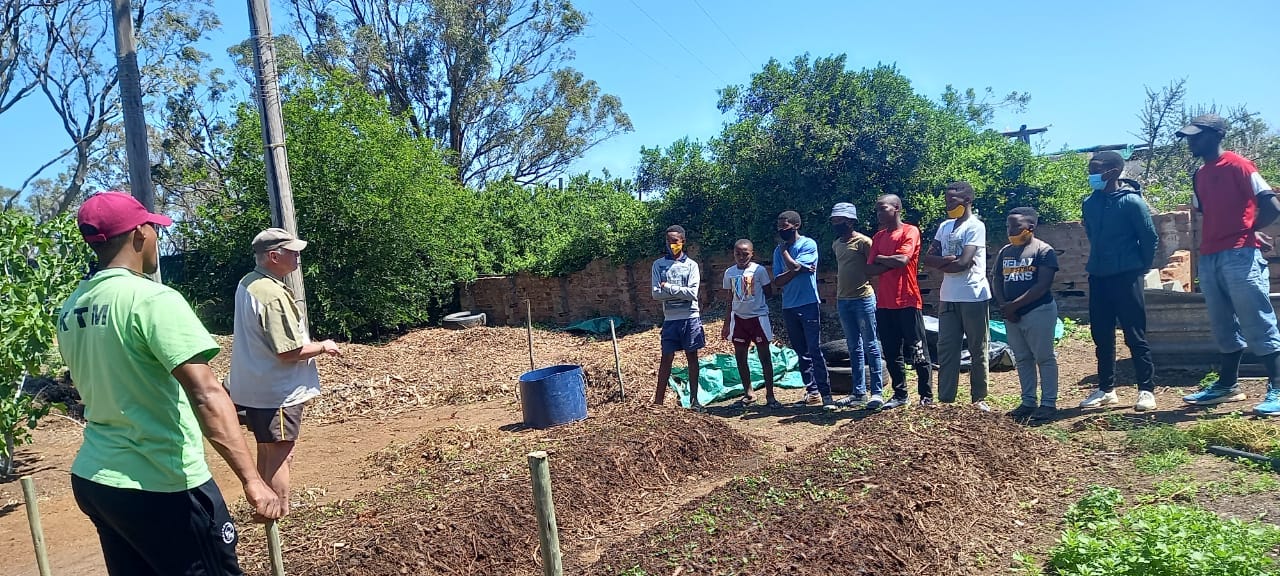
[(788, 234), (842, 229)]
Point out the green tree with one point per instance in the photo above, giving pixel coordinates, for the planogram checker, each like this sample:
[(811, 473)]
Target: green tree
[(547, 230), (391, 231), (807, 135), (42, 265), (487, 78), (71, 55)]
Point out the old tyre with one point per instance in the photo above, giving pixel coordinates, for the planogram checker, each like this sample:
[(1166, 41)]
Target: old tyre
[(463, 320)]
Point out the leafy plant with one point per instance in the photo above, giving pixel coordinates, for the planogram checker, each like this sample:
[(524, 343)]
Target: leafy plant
[(1166, 539), (1072, 329), (1098, 505), (1209, 378), (42, 264)]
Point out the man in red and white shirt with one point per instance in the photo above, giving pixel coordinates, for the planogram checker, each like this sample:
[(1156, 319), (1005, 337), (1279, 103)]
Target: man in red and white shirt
[(1236, 202)]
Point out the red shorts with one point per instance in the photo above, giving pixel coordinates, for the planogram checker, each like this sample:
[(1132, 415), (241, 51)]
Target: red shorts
[(749, 330)]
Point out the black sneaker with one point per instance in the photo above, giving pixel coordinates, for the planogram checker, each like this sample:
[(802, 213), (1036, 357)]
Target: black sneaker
[(894, 403), (927, 402), (1021, 413), (1044, 414)]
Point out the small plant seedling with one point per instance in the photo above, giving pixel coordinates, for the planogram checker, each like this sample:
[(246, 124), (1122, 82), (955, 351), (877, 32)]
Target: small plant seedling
[(1161, 462), (1209, 378), (855, 458)]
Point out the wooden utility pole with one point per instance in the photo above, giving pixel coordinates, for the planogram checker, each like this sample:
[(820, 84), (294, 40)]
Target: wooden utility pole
[(279, 190), (135, 122)]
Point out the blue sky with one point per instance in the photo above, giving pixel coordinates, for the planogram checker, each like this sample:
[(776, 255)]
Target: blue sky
[(1084, 64)]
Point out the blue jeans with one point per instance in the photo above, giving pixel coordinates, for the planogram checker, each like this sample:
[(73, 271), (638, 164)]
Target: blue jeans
[(1236, 287), (804, 333), (858, 318)]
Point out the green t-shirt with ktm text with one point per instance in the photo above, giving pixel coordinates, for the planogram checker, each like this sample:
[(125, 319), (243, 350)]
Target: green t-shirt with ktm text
[(122, 335)]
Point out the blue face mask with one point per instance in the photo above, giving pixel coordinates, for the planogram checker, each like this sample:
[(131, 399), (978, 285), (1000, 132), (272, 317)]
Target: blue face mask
[(1096, 182)]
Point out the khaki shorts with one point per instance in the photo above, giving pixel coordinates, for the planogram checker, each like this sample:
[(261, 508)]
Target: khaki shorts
[(271, 425)]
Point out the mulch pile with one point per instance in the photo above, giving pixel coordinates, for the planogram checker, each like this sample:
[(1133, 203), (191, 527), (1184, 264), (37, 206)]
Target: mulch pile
[(435, 367), (951, 491), (466, 507)]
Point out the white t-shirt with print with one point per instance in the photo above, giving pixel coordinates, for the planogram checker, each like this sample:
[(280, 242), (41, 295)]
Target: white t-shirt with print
[(748, 290), (970, 285)]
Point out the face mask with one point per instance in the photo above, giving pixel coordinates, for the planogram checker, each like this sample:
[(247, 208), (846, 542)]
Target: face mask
[(956, 212), (1096, 182), (1021, 239), (676, 249), (842, 229), (788, 234)]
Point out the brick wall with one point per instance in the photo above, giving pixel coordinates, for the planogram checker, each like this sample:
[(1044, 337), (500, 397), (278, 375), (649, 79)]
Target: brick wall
[(603, 288)]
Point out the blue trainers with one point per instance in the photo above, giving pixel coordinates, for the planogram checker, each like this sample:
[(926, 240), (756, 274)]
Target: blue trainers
[(1214, 395), (1270, 405)]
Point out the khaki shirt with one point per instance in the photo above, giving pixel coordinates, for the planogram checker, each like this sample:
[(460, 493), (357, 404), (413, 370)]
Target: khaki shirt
[(267, 323), (851, 263)]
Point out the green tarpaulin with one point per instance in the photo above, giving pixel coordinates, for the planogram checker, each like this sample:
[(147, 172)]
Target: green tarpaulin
[(598, 326), (718, 375)]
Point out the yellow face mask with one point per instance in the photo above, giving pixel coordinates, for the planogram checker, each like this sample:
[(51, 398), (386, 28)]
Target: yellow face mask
[(1021, 239), (676, 249), (956, 212)]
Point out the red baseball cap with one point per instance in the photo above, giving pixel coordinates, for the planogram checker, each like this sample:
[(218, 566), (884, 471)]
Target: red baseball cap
[(106, 215)]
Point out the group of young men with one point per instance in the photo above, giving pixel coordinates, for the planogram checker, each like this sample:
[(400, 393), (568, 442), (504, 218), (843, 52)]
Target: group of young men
[(879, 302), (139, 357)]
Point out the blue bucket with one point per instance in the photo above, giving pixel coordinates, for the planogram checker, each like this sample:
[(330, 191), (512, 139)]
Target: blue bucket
[(554, 395)]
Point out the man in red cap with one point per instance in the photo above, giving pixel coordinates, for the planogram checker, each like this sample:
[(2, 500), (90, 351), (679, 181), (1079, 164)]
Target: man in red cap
[(140, 360)]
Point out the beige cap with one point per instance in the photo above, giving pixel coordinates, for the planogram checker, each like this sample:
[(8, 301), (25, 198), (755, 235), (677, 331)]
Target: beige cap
[(275, 239)]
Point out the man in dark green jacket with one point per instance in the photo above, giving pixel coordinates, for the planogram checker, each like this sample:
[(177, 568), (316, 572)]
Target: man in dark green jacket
[(1122, 244)]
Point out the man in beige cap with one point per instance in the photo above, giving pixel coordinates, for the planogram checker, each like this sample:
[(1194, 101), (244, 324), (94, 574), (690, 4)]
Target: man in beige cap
[(273, 367)]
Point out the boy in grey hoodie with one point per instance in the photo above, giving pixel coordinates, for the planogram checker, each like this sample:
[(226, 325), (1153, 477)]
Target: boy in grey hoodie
[(675, 282)]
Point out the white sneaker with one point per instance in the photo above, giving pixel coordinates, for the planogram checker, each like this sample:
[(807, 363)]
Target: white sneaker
[(1099, 398), (982, 405), (1146, 401)]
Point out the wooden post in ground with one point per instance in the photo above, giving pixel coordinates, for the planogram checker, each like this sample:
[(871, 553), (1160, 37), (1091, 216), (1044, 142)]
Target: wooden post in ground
[(274, 548), (545, 509), (617, 360), (33, 519), (135, 123), (267, 94), (528, 324)]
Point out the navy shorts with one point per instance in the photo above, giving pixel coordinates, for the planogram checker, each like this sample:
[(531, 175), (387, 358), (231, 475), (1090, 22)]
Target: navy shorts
[(684, 335)]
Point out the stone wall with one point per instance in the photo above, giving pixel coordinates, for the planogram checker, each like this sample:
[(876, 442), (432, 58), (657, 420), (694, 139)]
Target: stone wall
[(603, 288)]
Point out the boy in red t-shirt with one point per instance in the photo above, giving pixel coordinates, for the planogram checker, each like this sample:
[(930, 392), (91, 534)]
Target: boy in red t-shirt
[(1236, 203), (895, 252)]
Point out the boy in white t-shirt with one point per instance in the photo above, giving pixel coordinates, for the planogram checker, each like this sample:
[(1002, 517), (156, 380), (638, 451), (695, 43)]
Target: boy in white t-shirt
[(748, 322), (959, 250)]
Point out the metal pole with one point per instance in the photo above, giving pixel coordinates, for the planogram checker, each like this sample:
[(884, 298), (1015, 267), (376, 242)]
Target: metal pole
[(617, 361), (274, 548), (528, 324), (135, 121), (279, 189), (33, 518), (544, 507)]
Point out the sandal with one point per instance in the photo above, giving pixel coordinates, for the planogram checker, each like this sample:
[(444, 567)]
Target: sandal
[(746, 401), (774, 404)]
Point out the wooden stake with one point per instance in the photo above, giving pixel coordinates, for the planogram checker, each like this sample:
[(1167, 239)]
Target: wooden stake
[(617, 361), (528, 324), (274, 548), (33, 518), (544, 507)]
